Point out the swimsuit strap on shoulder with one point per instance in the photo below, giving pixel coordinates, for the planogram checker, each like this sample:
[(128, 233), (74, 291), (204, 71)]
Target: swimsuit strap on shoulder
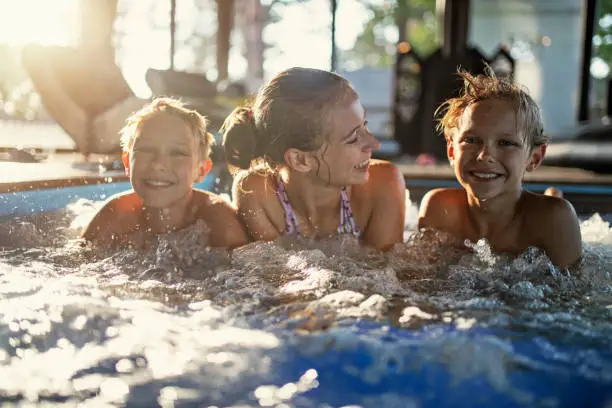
[(347, 221), (291, 226)]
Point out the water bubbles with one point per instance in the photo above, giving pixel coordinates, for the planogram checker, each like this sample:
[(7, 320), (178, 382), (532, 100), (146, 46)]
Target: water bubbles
[(114, 390), (178, 322), (274, 396), (124, 366)]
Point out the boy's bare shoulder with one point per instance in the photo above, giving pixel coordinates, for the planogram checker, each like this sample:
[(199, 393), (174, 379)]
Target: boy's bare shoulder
[(554, 225), (120, 204), (440, 199), (544, 209), (117, 215), (125, 201), (220, 216), (441, 207), (211, 204)]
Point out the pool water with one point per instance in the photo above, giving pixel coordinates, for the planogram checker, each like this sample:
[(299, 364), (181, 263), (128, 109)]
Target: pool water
[(293, 324)]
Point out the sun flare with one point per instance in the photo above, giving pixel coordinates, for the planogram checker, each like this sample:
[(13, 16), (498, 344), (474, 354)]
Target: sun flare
[(38, 22)]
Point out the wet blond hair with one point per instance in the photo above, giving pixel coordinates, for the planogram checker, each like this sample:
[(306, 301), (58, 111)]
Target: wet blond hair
[(196, 122), (481, 87)]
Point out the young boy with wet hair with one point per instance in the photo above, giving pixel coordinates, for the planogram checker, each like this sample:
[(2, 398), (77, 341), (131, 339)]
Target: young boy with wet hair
[(494, 134), (165, 152)]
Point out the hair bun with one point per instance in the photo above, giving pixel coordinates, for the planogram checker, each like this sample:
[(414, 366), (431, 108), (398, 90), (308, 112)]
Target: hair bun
[(240, 137)]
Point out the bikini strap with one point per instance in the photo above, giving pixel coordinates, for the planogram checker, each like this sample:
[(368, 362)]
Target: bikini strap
[(291, 226), (347, 221)]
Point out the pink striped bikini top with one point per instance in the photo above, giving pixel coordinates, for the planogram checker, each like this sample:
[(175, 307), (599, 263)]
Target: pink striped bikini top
[(347, 221)]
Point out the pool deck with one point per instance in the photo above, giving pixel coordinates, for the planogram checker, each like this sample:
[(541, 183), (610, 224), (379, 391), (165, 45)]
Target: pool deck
[(58, 170), (589, 192)]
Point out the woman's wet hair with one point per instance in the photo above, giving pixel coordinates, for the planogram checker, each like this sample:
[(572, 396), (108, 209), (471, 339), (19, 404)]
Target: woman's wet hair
[(481, 87), (196, 122), (292, 110)]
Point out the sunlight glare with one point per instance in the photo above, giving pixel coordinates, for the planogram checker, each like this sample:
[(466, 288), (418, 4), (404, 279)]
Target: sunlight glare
[(38, 22)]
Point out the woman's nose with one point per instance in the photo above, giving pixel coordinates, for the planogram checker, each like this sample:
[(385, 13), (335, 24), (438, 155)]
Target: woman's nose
[(372, 143)]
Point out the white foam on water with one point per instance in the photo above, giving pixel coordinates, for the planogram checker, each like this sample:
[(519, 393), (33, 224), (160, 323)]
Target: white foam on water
[(191, 324)]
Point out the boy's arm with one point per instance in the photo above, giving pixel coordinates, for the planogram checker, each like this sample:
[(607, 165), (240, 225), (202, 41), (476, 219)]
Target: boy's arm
[(562, 240), (249, 192), (385, 226)]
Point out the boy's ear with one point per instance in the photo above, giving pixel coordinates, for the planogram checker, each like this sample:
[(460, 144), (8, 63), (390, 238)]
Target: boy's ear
[(537, 156), (298, 160), (125, 158), (450, 149), (203, 169)]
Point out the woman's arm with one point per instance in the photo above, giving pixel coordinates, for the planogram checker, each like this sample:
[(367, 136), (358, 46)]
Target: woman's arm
[(385, 225)]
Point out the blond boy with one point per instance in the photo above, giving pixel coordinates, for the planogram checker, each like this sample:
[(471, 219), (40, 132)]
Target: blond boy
[(494, 135), (165, 151)]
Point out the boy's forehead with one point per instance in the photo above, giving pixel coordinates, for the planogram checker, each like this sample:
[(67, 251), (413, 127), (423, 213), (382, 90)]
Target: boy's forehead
[(497, 113), (164, 120), (165, 126)]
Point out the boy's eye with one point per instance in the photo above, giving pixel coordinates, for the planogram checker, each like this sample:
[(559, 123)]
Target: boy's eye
[(179, 153), (467, 139), (507, 143)]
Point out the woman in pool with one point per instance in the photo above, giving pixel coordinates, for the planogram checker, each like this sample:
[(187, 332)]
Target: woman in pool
[(308, 152)]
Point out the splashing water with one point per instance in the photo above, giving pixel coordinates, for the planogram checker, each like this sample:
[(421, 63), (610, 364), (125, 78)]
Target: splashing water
[(299, 324)]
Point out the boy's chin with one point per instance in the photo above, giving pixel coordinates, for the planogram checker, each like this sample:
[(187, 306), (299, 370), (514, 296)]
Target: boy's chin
[(483, 194)]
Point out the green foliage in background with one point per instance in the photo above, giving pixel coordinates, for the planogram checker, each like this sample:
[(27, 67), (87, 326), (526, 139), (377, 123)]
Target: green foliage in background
[(413, 21), (602, 41)]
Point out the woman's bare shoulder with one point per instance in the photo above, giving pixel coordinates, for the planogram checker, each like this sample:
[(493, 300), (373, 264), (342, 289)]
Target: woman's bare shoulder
[(254, 183), (383, 176)]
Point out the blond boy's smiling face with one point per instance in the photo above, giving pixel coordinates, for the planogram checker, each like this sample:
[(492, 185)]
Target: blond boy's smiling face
[(164, 161), (487, 152)]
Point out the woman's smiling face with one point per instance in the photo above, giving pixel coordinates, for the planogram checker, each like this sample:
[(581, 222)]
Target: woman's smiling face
[(345, 156)]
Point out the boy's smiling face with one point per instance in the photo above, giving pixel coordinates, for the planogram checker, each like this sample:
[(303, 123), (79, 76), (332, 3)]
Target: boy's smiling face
[(488, 153), (164, 162)]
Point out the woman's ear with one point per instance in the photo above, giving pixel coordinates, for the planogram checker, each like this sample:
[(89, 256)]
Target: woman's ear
[(299, 160), (125, 158)]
